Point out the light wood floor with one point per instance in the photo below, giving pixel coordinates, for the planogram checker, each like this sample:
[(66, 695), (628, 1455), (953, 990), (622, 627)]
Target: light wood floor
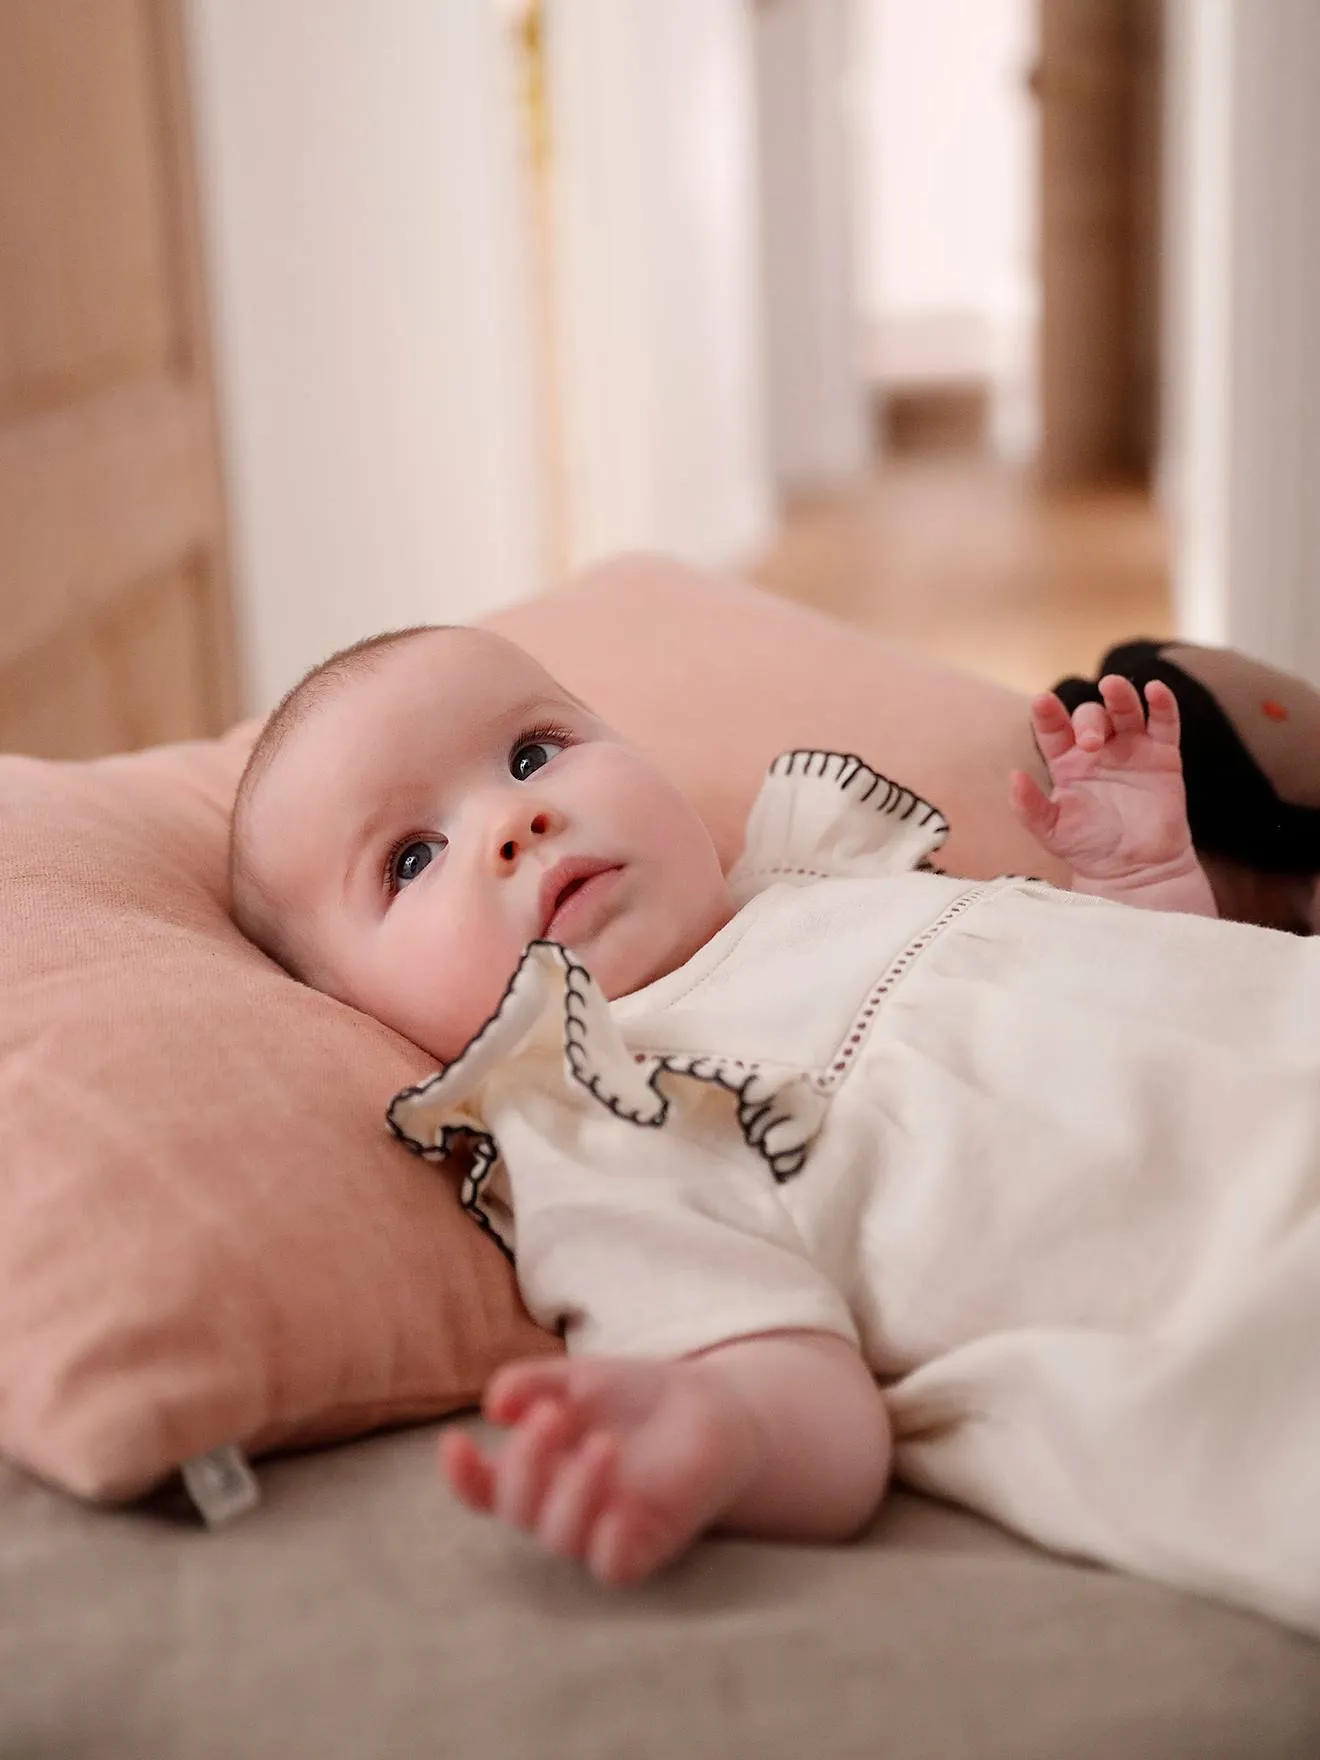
[(971, 561)]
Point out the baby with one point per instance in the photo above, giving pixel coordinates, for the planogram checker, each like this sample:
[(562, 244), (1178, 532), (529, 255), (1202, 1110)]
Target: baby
[(836, 1164)]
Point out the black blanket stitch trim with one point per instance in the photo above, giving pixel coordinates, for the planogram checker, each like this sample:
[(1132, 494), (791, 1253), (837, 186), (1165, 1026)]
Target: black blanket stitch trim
[(485, 1148), (484, 1158), (575, 1045), (752, 1120), (897, 799)]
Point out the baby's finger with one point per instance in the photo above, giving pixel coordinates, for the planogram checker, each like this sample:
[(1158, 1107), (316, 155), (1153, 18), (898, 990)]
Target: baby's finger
[(467, 1471), (576, 1495), (623, 1548), (528, 1460), (1034, 808), (1123, 704), (1090, 724), (1162, 722), (1052, 726), (516, 1387)]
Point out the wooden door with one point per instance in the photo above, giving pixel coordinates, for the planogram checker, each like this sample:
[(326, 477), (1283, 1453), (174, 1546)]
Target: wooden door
[(1097, 83), (115, 622)]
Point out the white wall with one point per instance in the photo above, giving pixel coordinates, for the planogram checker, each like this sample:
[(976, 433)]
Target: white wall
[(818, 432), (1197, 277), (946, 185), (372, 337), (657, 277), (1243, 330)]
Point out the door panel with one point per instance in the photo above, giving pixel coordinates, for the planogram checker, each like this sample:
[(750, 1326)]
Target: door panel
[(1097, 84), (115, 624), (138, 675)]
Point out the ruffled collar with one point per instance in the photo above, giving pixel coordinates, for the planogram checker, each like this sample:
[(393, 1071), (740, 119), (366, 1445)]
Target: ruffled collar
[(828, 815), (819, 815)]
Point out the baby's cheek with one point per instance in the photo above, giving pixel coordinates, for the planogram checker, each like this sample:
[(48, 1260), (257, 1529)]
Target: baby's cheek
[(694, 858), (663, 820), (455, 990)]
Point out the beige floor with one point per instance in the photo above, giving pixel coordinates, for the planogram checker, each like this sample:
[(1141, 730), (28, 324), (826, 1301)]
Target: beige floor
[(969, 560)]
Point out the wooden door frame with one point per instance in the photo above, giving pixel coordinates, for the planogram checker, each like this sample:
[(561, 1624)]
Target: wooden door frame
[(110, 482), (228, 675)]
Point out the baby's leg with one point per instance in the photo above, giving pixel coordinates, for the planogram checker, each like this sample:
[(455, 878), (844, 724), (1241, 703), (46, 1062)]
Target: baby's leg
[(624, 1463)]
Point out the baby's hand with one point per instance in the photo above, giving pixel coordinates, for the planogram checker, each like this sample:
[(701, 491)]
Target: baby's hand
[(618, 1463), (1117, 814)]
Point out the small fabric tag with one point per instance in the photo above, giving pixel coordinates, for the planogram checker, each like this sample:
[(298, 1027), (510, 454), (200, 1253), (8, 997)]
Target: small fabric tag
[(221, 1485)]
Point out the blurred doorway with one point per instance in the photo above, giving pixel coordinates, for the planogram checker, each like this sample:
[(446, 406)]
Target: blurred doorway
[(1007, 225), (1006, 264), (946, 211)]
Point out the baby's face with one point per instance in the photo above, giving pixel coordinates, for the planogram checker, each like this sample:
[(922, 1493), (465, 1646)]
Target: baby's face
[(448, 805)]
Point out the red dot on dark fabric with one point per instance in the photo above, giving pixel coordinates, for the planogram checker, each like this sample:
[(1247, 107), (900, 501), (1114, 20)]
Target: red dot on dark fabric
[(1275, 711)]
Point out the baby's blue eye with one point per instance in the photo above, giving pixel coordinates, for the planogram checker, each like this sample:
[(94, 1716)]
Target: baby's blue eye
[(532, 755), (411, 859)]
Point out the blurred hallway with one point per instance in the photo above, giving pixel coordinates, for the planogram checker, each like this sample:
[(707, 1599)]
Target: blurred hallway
[(972, 561)]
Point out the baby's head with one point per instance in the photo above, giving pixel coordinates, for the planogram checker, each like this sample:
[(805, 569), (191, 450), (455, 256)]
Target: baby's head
[(424, 804)]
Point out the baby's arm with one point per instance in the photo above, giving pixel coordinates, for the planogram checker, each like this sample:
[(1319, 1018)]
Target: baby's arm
[(1117, 814), (623, 1463)]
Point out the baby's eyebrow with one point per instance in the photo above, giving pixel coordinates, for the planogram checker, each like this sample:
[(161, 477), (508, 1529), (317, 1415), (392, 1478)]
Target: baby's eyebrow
[(367, 836), (536, 703)]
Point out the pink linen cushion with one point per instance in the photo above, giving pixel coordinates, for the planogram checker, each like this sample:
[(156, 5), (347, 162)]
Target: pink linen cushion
[(205, 1233)]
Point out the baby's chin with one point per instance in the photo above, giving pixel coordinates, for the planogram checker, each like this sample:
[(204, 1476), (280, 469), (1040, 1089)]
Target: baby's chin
[(634, 961)]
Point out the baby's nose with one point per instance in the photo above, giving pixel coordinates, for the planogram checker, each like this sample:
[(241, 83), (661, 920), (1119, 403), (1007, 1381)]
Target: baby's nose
[(516, 831)]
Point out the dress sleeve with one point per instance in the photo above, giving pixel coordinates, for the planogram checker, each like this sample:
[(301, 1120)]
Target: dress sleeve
[(640, 1216), (655, 1242), (827, 815)]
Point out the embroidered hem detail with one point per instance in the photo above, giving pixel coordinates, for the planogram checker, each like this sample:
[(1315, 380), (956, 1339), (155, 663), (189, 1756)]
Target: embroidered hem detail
[(852, 1040)]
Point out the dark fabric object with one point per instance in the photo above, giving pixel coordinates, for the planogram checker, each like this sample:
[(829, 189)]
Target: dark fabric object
[(1233, 807)]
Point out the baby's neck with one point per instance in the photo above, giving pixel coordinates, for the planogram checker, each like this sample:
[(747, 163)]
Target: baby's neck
[(665, 966)]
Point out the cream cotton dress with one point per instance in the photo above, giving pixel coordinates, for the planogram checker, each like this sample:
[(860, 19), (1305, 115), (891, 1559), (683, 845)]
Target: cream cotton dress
[(1051, 1164)]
